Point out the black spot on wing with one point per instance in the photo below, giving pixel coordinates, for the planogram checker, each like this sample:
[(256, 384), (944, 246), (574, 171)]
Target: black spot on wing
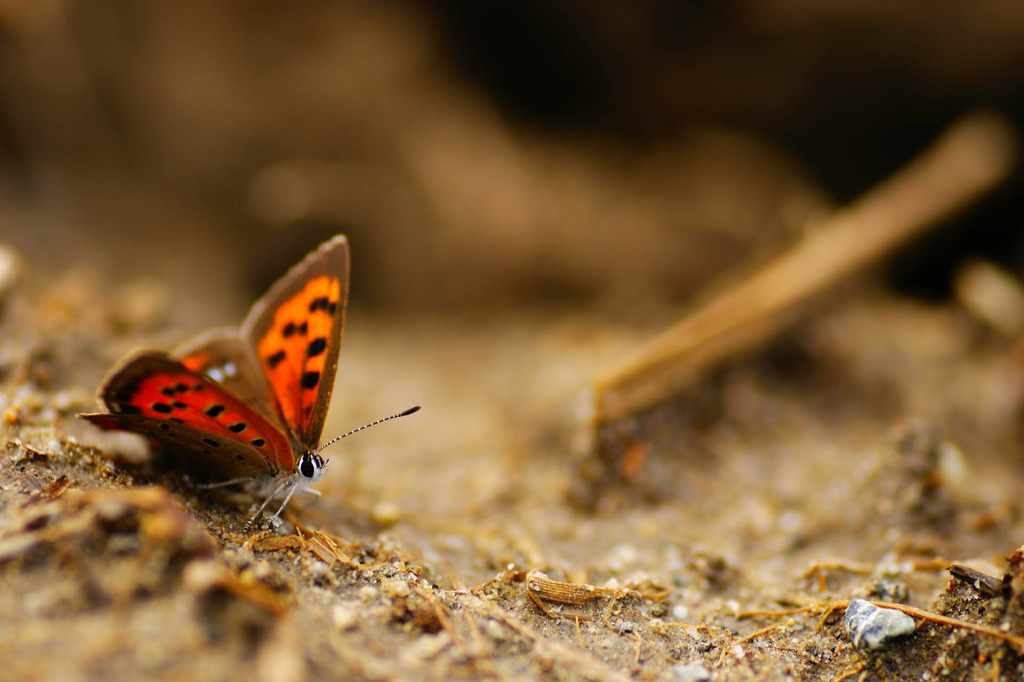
[(276, 359), (258, 442), (212, 443), (214, 410), (310, 380), (316, 347), (237, 428), (162, 408)]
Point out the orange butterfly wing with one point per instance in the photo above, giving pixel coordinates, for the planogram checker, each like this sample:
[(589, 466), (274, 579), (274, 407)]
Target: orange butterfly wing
[(296, 330)]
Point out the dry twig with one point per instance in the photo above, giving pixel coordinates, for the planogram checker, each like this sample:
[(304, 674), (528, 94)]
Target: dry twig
[(968, 160)]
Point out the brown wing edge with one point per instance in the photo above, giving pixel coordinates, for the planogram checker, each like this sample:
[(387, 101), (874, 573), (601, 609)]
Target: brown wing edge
[(330, 258), (221, 463), (121, 373)]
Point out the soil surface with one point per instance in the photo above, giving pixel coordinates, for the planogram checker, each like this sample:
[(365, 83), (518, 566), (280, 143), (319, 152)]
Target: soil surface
[(855, 458)]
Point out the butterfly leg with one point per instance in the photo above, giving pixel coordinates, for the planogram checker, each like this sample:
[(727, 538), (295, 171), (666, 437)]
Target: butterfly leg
[(277, 491), (311, 491), (285, 503), (221, 484)]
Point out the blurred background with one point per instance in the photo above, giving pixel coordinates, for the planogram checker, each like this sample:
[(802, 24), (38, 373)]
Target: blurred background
[(531, 190), (480, 154)]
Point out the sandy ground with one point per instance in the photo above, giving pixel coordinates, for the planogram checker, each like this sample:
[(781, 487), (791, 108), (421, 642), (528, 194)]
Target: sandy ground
[(856, 457)]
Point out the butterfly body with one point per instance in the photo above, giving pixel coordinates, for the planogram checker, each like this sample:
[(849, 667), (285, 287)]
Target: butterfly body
[(251, 403)]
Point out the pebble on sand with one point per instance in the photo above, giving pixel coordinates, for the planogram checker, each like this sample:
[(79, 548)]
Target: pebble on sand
[(872, 626)]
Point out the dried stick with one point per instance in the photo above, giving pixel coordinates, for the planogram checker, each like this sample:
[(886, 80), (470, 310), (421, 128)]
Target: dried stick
[(969, 159)]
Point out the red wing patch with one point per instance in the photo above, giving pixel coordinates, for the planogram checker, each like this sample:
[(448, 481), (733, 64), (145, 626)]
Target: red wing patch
[(186, 406)]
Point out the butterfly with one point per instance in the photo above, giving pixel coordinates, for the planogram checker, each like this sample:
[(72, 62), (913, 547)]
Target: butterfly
[(246, 404)]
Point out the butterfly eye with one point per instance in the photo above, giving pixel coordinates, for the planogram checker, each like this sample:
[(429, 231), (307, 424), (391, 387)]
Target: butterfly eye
[(307, 467)]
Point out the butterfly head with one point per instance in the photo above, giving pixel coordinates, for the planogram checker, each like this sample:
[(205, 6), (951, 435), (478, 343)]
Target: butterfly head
[(311, 467)]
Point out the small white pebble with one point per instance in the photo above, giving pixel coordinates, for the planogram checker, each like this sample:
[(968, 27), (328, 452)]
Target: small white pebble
[(345, 616), (318, 568), (790, 521), (688, 672), (395, 588), (386, 514), (624, 626), (425, 647), (872, 627), (495, 630), (262, 571)]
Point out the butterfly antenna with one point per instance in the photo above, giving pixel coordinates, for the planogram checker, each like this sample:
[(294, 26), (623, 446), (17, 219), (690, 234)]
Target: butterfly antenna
[(366, 426)]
